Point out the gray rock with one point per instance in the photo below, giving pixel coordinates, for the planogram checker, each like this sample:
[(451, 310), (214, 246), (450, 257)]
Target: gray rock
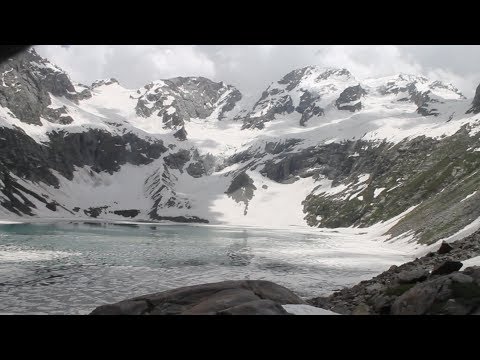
[(342, 309), (392, 268), (256, 307), (461, 278), (474, 272), (222, 300), (374, 288), (361, 309), (131, 307), (419, 299), (382, 303), (453, 307), (227, 297), (412, 276)]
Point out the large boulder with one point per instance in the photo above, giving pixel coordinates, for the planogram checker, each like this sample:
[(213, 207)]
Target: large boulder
[(245, 297), (444, 248), (256, 307), (413, 276), (447, 267), (453, 294)]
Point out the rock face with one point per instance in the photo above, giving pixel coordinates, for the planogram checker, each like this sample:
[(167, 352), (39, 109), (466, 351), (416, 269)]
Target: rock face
[(349, 99), (476, 102), (177, 100), (409, 277), (455, 294), (409, 289), (425, 167), (246, 297), (27, 81)]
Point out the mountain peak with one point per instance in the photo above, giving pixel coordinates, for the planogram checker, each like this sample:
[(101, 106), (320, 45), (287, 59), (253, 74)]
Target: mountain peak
[(412, 78), (103, 82), (313, 74)]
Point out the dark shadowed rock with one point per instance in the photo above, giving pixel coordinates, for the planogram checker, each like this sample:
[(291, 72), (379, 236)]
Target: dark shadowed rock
[(127, 213), (348, 96), (177, 160), (134, 307), (308, 107), (196, 169), (474, 272), (444, 248), (447, 267), (361, 309), (246, 297), (242, 189), (476, 102), (454, 307), (181, 134)]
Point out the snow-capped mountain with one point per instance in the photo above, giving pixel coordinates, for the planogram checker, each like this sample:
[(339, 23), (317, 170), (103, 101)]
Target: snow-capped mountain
[(319, 147)]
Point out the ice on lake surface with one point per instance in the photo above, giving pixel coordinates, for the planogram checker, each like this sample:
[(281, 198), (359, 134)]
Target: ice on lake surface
[(71, 268)]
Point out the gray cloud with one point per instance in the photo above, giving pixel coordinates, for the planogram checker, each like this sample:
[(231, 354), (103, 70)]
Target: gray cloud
[(253, 67)]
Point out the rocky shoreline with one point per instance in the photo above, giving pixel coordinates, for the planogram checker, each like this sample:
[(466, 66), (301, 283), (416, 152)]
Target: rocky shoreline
[(430, 285)]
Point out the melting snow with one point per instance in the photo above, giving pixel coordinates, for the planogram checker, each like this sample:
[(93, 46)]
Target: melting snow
[(377, 192)]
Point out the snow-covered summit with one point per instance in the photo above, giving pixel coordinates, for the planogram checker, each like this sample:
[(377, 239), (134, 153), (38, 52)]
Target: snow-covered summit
[(103, 82)]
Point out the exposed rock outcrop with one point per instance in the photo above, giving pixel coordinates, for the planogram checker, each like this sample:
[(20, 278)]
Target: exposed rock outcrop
[(349, 99), (177, 100), (476, 102), (245, 297), (27, 80)]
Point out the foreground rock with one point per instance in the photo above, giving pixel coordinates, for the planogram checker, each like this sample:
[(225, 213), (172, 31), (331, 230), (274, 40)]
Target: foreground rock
[(428, 285), (244, 297), (453, 294)]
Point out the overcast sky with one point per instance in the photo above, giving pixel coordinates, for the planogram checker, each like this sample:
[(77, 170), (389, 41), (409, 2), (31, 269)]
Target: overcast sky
[(251, 68)]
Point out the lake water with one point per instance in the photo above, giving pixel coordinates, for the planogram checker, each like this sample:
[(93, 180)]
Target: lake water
[(71, 268)]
